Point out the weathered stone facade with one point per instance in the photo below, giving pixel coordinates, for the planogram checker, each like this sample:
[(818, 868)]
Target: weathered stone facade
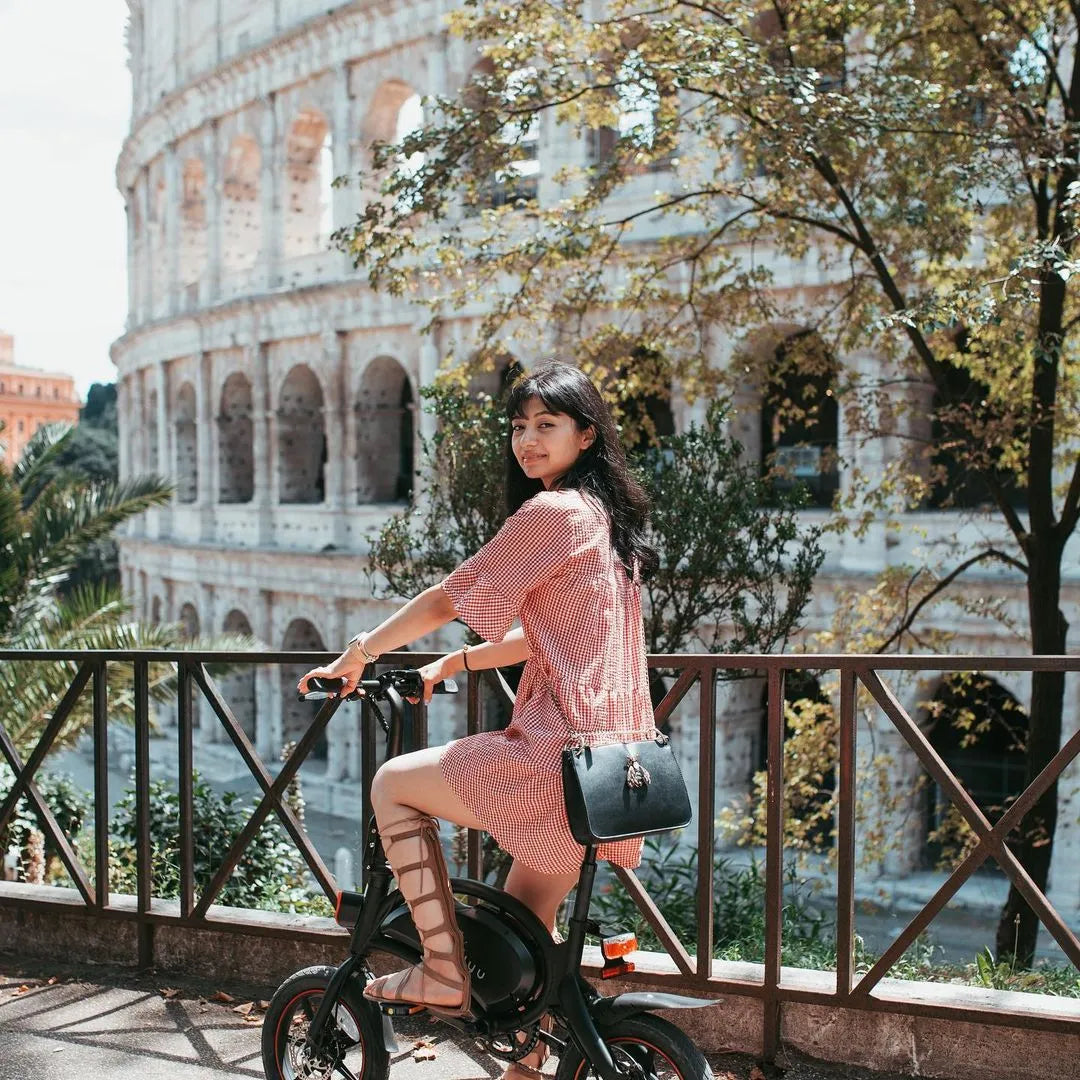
[(260, 372)]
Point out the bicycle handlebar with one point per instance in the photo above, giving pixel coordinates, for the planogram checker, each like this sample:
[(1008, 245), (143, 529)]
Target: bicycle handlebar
[(406, 681)]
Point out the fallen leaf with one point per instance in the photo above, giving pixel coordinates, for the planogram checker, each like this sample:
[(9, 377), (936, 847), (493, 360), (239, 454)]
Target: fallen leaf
[(22, 989), (169, 992), (756, 1073), (254, 1018), (423, 1044), (424, 1055), (244, 1009), (263, 1004), (220, 995), (52, 981)]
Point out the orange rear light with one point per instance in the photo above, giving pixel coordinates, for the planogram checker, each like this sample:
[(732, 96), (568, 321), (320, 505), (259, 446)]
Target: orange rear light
[(621, 945), (609, 971)]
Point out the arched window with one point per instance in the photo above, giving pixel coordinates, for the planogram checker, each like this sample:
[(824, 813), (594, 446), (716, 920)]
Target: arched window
[(980, 731), (811, 802), (238, 686), (800, 418), (187, 446), (189, 621), (296, 716), (193, 228), (384, 433), (518, 184), (241, 217), (959, 467), (307, 190), (301, 438), (235, 441)]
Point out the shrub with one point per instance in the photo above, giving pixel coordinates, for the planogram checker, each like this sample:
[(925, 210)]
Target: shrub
[(70, 807)]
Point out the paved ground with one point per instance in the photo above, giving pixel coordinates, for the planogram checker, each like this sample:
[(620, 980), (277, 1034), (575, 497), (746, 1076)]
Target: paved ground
[(97, 1023)]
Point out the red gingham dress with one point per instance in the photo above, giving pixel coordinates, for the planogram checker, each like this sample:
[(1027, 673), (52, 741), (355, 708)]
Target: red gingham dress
[(551, 565)]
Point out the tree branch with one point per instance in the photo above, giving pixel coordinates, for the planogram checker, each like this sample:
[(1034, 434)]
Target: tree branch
[(944, 583)]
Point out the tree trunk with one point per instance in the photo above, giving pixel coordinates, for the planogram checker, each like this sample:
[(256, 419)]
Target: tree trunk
[(1018, 927)]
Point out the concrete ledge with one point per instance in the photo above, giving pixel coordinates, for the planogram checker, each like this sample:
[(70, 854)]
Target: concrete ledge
[(892, 1032)]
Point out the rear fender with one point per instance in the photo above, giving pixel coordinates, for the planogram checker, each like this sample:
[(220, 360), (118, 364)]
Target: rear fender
[(607, 1010)]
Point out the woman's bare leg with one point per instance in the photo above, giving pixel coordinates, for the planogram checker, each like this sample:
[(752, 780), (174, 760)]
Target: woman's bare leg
[(414, 784), (406, 794)]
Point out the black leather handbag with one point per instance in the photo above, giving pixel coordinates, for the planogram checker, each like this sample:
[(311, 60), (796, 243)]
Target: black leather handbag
[(622, 790)]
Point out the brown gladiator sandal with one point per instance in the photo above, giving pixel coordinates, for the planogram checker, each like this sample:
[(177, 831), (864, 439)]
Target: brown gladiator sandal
[(423, 882)]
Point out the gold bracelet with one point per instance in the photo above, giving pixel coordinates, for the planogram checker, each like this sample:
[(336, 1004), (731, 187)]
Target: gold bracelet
[(358, 643), (465, 657)]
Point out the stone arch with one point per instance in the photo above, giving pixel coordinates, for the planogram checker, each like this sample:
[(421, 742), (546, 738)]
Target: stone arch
[(296, 716), (193, 226), (241, 218), (308, 174), (800, 416), (385, 433), (235, 441), (301, 438), (189, 621), (238, 686), (153, 461), (518, 185), (980, 730), (187, 445)]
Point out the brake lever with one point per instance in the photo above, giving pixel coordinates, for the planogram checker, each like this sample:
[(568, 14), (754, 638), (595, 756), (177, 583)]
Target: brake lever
[(383, 722)]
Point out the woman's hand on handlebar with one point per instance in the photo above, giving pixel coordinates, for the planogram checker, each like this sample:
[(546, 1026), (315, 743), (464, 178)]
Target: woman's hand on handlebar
[(433, 673), (347, 666)]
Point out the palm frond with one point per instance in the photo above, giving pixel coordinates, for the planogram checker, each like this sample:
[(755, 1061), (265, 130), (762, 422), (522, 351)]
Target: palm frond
[(31, 472), (94, 617), (65, 518)]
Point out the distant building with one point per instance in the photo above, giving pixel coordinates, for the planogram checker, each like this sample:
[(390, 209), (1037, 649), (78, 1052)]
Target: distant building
[(30, 398)]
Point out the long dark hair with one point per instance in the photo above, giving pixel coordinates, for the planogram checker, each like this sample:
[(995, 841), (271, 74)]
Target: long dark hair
[(600, 469)]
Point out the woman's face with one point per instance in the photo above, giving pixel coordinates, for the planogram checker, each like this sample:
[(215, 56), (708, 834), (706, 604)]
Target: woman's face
[(546, 444)]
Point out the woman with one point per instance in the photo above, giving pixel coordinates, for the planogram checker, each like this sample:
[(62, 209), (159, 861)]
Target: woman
[(568, 563)]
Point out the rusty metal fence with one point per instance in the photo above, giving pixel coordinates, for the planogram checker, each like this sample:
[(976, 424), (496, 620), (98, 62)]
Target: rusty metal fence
[(856, 674)]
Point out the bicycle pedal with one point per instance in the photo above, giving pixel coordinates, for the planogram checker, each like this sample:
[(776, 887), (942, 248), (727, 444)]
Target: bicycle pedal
[(405, 1008)]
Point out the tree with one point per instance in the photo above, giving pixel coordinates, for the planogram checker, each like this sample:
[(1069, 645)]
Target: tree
[(925, 153), (48, 518), (736, 565)]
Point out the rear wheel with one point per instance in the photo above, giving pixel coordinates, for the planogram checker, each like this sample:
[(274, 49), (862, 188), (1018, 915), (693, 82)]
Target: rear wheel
[(353, 1043), (642, 1046)]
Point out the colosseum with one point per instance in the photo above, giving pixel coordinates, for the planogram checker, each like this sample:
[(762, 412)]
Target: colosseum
[(261, 374)]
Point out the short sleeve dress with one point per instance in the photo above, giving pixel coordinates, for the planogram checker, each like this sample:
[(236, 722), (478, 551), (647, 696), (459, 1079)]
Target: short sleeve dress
[(552, 566)]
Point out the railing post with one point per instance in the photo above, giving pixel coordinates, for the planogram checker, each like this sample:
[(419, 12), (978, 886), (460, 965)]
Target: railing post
[(143, 864), (706, 825), (101, 785), (845, 840), (186, 784), (774, 864)]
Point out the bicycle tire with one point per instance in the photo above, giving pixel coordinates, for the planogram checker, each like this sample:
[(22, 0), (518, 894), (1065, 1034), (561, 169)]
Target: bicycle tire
[(643, 1037), (357, 1030)]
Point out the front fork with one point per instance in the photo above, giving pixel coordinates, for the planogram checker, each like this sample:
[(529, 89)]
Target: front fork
[(376, 890)]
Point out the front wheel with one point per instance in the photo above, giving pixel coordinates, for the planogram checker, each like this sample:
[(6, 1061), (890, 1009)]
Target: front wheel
[(353, 1044), (642, 1044)]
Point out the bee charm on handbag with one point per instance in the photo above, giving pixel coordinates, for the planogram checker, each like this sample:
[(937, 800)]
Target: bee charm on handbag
[(637, 776)]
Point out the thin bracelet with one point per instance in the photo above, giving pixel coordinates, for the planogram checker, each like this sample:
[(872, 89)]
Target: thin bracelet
[(465, 657)]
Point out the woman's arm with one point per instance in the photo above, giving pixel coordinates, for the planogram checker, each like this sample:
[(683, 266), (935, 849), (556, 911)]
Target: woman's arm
[(420, 616), (513, 649)]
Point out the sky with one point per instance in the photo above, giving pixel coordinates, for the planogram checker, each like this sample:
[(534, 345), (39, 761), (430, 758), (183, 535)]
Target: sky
[(65, 108)]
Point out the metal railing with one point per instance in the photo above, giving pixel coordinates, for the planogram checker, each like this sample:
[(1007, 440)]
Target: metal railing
[(695, 970)]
